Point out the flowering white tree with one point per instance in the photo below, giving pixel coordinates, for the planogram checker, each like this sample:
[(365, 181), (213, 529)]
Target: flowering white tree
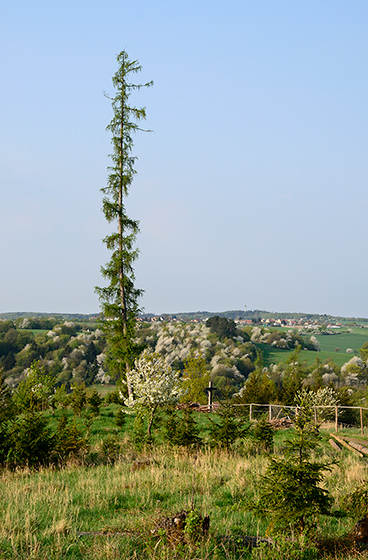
[(154, 384), (315, 342), (323, 397), (352, 370)]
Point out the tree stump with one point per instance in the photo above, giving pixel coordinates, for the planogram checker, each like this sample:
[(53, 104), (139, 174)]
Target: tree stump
[(361, 530), (174, 527)]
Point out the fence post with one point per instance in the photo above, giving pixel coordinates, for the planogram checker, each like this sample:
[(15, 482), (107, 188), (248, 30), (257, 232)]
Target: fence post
[(361, 422), (336, 419), (250, 412), (315, 416), (269, 412)]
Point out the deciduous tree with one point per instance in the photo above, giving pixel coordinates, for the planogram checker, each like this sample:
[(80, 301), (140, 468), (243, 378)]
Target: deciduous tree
[(155, 384), (195, 378)]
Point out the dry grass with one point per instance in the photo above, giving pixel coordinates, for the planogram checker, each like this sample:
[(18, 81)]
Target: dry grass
[(43, 512)]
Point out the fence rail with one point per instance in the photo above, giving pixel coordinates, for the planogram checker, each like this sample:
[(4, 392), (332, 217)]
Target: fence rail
[(336, 413)]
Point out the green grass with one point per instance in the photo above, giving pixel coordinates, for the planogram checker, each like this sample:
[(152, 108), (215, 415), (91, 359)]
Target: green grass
[(35, 331), (328, 345), (99, 426), (103, 389), (354, 340), (43, 512)]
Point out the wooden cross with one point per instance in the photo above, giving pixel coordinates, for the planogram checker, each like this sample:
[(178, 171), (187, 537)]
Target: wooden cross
[(210, 390)]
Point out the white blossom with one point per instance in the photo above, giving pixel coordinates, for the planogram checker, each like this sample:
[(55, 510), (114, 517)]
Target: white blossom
[(325, 396), (101, 358), (352, 370), (328, 378), (257, 335), (154, 382), (102, 376), (315, 342)]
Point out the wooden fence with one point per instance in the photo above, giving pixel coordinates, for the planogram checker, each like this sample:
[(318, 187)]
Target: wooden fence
[(337, 414)]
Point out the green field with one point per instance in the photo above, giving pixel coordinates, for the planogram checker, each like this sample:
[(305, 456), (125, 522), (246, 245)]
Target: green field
[(328, 346), (35, 331), (103, 389)]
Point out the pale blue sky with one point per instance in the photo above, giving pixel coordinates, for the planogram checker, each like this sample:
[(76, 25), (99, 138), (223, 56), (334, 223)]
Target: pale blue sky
[(252, 189)]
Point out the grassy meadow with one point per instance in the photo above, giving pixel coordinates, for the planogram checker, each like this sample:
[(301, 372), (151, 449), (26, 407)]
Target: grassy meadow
[(331, 346), (99, 509)]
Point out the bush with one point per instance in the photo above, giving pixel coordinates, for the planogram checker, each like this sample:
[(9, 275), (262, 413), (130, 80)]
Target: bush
[(262, 434), (110, 448), (95, 401), (69, 441), (182, 429), (120, 418), (4, 442), (78, 399), (30, 441), (6, 403), (227, 428), (356, 502), (290, 493), (113, 397)]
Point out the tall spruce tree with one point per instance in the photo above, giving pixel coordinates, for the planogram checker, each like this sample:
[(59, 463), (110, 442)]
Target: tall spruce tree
[(119, 300)]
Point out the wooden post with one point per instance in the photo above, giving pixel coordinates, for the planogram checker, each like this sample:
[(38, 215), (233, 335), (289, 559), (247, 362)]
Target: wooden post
[(315, 416), (361, 422), (209, 390), (269, 412), (336, 419), (250, 413)]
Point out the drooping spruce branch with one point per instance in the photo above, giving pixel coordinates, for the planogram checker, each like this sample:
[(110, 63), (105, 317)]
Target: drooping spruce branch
[(119, 299)]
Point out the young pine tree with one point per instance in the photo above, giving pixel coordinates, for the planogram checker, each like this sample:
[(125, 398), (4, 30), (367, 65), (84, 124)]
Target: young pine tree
[(182, 429), (119, 300), (227, 427), (290, 494)]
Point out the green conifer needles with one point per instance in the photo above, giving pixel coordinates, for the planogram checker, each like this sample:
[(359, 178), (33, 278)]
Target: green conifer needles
[(290, 492), (119, 299)]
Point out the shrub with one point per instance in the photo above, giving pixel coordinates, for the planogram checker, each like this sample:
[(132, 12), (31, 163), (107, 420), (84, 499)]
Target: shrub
[(195, 378), (78, 399), (290, 493), (356, 502), (95, 401), (35, 391), (155, 385), (6, 403), (69, 441), (227, 428), (110, 448), (182, 429), (120, 418), (31, 441), (193, 529), (262, 434), (113, 397)]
